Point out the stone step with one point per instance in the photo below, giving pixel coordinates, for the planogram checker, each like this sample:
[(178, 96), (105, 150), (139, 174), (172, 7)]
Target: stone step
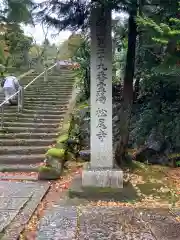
[(61, 77), (31, 124), (45, 104), (58, 79), (18, 168), (21, 177), (60, 83), (22, 150), (49, 91), (44, 97), (50, 88), (35, 115), (51, 75), (41, 106), (30, 130), (39, 111), (26, 142), (56, 95), (32, 119), (59, 91), (27, 135), (50, 85), (22, 159), (45, 91), (52, 82), (47, 100)]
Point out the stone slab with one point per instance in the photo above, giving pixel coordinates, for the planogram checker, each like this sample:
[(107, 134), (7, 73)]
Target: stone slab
[(176, 212), (18, 177), (102, 177), (59, 223), (6, 216), (24, 199), (125, 194), (112, 223), (16, 189), (94, 222), (12, 203)]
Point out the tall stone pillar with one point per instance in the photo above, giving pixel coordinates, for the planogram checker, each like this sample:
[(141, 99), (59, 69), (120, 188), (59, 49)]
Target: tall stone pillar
[(100, 172)]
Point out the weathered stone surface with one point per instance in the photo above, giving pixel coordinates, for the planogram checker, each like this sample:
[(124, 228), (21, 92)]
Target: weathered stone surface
[(54, 163), (14, 189), (97, 177), (60, 223), (112, 223), (6, 216), (127, 193), (162, 226), (122, 223), (12, 203), (18, 201)]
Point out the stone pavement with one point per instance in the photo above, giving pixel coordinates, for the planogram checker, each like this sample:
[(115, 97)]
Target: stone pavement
[(18, 201), (68, 221)]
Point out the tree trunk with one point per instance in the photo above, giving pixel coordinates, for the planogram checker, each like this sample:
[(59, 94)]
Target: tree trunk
[(87, 83), (138, 63), (125, 113)]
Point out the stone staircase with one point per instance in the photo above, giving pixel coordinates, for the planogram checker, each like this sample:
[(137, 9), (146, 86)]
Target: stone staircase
[(26, 135)]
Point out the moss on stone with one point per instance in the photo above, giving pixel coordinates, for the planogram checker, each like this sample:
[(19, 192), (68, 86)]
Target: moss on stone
[(48, 173), (60, 145), (56, 152), (66, 127), (63, 138), (45, 169)]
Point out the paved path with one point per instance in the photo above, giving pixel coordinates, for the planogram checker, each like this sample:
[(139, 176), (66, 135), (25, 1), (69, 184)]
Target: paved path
[(18, 200), (70, 220)]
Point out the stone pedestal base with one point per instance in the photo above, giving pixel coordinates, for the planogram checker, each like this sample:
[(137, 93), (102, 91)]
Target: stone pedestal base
[(102, 177)]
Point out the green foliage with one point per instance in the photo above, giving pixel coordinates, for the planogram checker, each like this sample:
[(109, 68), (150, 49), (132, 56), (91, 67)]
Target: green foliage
[(18, 45), (82, 57), (14, 46), (178, 163), (68, 48), (16, 11), (45, 169)]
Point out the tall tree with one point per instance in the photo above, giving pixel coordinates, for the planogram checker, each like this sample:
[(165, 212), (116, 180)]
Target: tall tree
[(125, 113), (16, 11)]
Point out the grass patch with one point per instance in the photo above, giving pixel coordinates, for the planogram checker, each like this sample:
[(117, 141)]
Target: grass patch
[(149, 188), (147, 171), (151, 182)]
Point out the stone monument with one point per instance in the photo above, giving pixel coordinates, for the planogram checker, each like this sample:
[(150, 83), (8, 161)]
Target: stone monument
[(100, 172)]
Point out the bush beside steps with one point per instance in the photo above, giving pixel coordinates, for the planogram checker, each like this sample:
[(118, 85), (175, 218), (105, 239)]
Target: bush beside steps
[(55, 159)]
